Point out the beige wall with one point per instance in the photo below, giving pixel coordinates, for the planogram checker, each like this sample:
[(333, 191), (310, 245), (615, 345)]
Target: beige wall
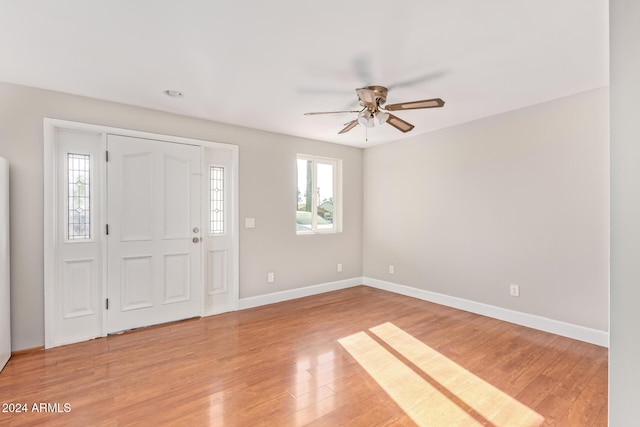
[(520, 197), (624, 375), (517, 198), (267, 193)]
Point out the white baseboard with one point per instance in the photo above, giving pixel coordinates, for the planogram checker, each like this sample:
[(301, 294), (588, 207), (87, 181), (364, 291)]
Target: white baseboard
[(557, 327), (577, 332), (297, 293)]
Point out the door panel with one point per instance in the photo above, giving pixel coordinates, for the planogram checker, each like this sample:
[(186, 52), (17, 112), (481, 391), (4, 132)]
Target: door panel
[(153, 207), (176, 178), (217, 267), (77, 295), (218, 236), (137, 192), (177, 278), (136, 285), (78, 278)]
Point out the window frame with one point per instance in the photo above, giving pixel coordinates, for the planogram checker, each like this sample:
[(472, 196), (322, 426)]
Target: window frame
[(337, 194)]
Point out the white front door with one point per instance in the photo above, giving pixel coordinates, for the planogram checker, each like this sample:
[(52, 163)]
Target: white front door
[(153, 241)]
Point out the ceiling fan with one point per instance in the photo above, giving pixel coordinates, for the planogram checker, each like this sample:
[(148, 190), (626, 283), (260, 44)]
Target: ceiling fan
[(372, 100)]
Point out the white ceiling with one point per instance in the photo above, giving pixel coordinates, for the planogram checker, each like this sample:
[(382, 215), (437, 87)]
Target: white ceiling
[(262, 64)]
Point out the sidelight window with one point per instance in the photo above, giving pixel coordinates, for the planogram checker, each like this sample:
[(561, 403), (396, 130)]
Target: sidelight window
[(216, 200), (78, 196)]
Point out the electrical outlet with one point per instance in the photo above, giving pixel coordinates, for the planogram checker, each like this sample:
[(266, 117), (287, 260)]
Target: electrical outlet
[(271, 277), (392, 269), (339, 268), (514, 290)]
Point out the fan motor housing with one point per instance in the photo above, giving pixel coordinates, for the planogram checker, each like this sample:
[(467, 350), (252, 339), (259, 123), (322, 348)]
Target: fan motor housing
[(380, 93)]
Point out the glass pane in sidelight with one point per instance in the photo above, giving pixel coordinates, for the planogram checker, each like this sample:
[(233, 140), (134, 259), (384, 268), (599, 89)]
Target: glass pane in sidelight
[(216, 200), (79, 196)]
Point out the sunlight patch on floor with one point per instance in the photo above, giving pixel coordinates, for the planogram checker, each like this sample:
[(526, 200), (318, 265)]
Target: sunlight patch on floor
[(417, 398), (452, 396)]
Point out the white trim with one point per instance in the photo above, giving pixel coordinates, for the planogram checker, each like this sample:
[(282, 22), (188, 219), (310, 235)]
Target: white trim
[(50, 237), (88, 127), (234, 225), (101, 226), (557, 327), (5, 264), (281, 296), (577, 332)]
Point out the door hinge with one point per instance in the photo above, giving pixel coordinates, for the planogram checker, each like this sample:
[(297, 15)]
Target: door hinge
[(107, 229), (106, 155), (107, 303)]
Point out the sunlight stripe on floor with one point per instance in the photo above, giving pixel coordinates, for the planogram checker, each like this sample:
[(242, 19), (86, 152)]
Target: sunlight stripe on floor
[(420, 400), (491, 403)]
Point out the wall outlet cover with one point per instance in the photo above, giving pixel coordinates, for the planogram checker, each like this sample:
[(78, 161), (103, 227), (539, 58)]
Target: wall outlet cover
[(514, 290)]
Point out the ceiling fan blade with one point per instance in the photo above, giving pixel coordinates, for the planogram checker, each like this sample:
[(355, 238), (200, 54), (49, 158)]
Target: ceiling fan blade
[(331, 112), (414, 105), (399, 124), (419, 79), (349, 126), (362, 66), (367, 96)]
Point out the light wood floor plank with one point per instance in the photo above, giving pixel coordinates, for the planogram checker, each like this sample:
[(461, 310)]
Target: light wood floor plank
[(284, 365)]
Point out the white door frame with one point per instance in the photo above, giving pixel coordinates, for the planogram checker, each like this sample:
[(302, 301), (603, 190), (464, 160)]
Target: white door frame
[(51, 126)]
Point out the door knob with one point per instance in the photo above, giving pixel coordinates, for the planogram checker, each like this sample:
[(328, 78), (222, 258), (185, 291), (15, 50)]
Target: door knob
[(196, 239)]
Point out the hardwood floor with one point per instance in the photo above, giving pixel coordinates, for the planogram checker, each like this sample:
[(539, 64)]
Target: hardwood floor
[(283, 365)]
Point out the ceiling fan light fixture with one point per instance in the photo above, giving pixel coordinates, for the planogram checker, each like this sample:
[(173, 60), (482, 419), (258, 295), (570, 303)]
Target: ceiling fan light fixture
[(371, 100), (365, 118)]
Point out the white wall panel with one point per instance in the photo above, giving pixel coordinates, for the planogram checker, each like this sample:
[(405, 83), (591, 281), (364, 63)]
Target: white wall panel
[(624, 375), (5, 300)]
